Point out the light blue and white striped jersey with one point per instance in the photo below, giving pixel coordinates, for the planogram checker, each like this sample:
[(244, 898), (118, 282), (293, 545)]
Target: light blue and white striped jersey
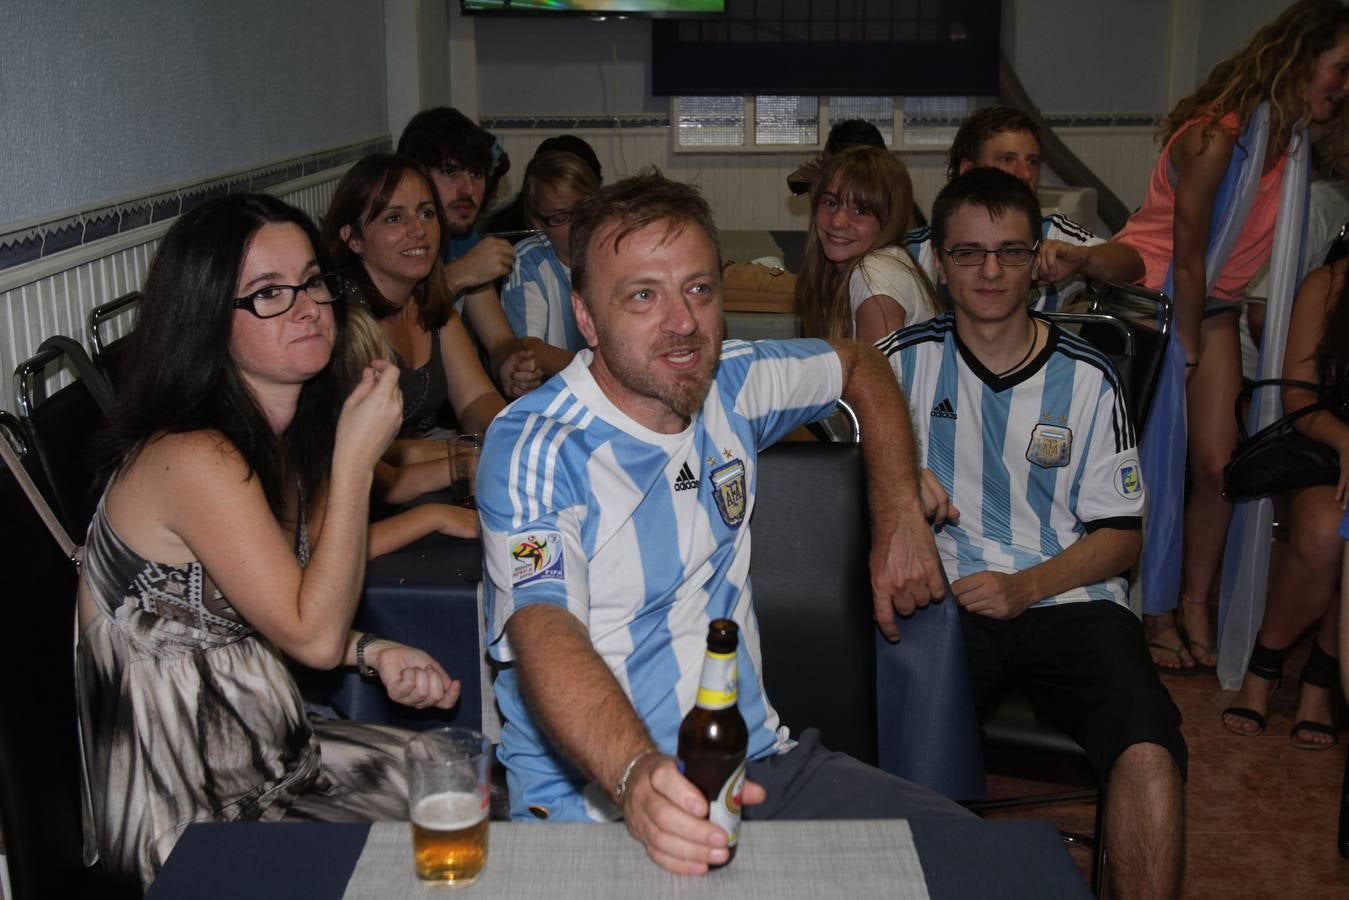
[(1053, 227), (537, 296), (1033, 461), (642, 536)]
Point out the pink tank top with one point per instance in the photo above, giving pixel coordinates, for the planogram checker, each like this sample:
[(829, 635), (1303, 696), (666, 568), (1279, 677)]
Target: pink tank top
[(1150, 230)]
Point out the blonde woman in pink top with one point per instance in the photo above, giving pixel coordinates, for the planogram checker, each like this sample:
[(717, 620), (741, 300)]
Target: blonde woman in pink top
[(1299, 65)]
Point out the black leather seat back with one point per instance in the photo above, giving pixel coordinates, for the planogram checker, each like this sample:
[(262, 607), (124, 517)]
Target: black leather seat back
[(62, 427), (109, 354), (39, 751), (812, 592)]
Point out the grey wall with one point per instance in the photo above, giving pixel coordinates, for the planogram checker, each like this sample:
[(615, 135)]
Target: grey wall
[(1090, 56), (1226, 25), (566, 66), (103, 100)]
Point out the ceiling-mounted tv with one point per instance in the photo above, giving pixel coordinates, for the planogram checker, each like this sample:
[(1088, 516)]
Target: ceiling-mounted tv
[(656, 8), (913, 48)]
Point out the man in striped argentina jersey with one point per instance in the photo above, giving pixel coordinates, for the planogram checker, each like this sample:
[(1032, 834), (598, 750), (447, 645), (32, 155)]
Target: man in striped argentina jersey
[(615, 503), (1025, 426), (1008, 139)]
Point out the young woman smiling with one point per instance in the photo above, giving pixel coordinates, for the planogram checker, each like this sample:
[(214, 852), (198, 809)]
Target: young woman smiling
[(856, 282)]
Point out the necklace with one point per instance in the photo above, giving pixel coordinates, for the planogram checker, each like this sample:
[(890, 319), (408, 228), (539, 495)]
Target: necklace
[(1034, 339)]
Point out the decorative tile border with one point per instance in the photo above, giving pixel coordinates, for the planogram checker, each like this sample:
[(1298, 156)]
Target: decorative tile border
[(570, 123), (1103, 120), (32, 241)]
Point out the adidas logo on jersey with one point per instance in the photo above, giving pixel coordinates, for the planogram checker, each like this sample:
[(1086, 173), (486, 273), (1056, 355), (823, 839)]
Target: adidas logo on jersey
[(944, 410), (685, 481)]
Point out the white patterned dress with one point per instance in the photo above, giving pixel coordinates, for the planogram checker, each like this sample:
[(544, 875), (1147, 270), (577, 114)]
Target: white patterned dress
[(189, 715)]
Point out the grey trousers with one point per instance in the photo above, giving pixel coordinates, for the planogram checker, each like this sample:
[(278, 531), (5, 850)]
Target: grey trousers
[(811, 781)]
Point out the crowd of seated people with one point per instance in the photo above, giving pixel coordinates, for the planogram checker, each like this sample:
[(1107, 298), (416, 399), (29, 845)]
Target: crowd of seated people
[(315, 373)]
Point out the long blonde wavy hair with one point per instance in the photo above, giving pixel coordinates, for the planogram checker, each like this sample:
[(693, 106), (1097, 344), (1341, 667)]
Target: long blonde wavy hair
[(876, 181), (1275, 66)]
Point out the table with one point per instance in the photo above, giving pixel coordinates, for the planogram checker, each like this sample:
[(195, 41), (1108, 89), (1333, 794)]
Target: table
[(956, 860), (425, 595)]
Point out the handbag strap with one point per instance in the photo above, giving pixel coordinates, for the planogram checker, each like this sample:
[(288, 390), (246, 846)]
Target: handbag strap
[(72, 550), (1249, 389)]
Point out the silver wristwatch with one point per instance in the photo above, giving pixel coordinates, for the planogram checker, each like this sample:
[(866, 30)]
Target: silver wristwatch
[(365, 669)]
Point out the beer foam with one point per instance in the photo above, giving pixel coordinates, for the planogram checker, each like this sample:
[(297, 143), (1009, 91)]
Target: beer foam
[(449, 810)]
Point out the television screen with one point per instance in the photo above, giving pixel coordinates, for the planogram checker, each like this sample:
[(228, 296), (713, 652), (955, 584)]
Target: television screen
[(599, 7), (936, 48)]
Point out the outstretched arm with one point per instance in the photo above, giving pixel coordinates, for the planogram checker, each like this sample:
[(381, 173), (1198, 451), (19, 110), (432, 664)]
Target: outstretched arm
[(905, 570), (586, 715), (508, 357), (1111, 261)]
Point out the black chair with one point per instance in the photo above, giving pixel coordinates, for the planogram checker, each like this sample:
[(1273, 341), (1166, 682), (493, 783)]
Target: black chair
[(812, 592), (40, 805), (61, 426), (108, 354), (1129, 324)]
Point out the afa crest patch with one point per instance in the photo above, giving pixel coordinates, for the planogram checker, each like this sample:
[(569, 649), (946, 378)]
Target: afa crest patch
[(536, 556), (728, 487), (1129, 480), (1050, 446)]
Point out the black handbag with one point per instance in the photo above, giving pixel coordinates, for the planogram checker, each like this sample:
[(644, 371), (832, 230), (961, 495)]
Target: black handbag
[(1278, 457)]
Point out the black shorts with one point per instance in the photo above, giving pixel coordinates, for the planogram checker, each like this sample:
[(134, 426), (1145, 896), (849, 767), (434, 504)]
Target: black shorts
[(1085, 668)]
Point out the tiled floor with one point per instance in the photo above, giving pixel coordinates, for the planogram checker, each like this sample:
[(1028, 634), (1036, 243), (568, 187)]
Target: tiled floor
[(1261, 816)]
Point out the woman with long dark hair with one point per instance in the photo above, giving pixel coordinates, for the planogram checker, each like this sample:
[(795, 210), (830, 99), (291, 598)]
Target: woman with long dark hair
[(232, 532), (1303, 592)]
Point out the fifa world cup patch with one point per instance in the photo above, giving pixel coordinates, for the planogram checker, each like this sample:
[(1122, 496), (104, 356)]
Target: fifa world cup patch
[(536, 556), (1050, 446), (1128, 481)]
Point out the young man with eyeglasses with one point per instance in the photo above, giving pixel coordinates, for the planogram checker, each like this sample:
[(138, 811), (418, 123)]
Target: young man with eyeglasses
[(1068, 253), (537, 295), (466, 164), (1026, 428)]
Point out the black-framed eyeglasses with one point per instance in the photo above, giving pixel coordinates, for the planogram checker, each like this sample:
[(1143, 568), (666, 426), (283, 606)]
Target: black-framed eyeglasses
[(277, 299), (1007, 256), (555, 220)]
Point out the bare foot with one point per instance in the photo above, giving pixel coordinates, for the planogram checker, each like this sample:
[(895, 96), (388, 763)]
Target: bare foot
[(1254, 697), (1313, 706), (1196, 630), (1165, 645)]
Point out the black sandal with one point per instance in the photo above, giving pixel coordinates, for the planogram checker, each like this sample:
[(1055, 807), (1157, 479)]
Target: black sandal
[(1323, 671), (1267, 664)]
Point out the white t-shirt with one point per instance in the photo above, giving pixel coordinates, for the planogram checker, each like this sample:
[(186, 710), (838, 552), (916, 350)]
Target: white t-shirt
[(890, 272)]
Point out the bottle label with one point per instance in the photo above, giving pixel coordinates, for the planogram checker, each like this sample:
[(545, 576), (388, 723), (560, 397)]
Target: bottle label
[(717, 688), (725, 809)]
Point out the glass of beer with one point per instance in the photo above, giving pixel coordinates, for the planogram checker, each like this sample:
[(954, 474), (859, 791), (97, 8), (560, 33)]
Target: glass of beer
[(464, 452), (448, 798)]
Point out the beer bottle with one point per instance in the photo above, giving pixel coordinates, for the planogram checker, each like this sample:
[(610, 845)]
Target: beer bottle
[(713, 738)]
